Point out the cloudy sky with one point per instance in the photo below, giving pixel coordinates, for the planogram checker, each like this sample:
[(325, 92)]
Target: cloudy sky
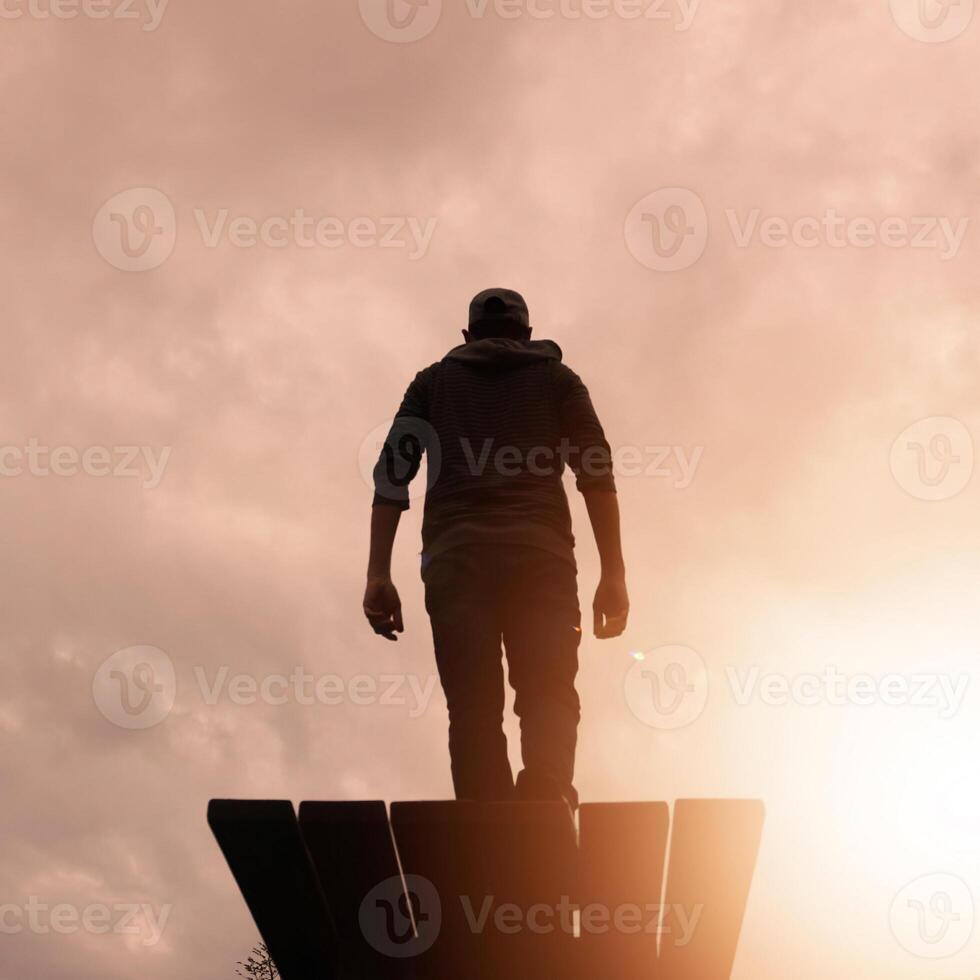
[(233, 233)]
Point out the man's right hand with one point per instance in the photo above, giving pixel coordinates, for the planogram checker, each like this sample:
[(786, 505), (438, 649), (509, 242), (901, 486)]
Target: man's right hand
[(611, 606), (383, 608)]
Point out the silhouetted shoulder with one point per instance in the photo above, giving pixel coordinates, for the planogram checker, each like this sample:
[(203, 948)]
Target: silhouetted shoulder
[(416, 400), (427, 373), (565, 379), (424, 378)]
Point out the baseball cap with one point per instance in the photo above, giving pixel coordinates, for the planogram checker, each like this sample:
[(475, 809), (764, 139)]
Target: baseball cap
[(499, 305)]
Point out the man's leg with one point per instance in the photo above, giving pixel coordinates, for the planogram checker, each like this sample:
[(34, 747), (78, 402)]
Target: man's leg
[(542, 630), (461, 590)]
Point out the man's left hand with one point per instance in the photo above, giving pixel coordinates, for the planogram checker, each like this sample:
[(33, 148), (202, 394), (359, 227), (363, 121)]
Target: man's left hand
[(383, 608)]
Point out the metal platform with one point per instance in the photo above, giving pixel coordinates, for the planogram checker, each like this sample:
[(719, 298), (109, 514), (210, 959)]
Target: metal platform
[(494, 891)]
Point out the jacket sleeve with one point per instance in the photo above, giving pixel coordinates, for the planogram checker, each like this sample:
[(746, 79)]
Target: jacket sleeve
[(584, 444), (401, 454)]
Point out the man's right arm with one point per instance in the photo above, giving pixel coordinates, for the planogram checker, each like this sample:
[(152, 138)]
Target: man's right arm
[(611, 606), (382, 605), (397, 466)]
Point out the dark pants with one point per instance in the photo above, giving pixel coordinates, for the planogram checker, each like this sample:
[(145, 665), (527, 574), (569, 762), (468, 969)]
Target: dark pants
[(476, 596)]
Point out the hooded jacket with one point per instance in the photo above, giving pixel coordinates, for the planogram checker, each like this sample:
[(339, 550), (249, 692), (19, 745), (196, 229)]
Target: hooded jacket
[(498, 420)]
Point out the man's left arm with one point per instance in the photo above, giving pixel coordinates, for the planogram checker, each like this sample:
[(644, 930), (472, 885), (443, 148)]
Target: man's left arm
[(590, 459)]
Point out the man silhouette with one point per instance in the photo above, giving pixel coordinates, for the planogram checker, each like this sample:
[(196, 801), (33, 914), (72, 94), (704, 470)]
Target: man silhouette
[(499, 417)]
